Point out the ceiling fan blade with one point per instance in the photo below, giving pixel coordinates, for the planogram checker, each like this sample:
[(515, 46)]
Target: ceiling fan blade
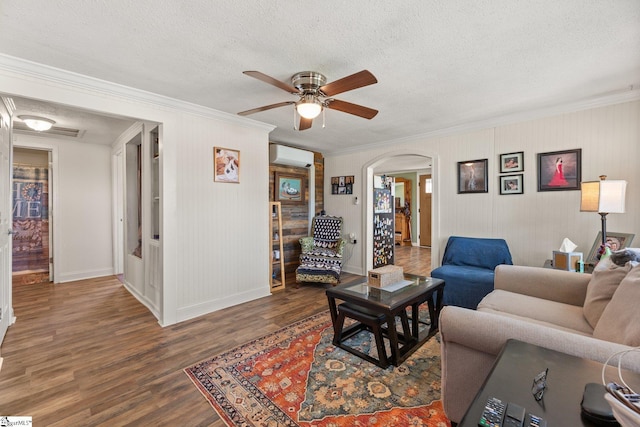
[(355, 109), (305, 123), (268, 79), (354, 81), (266, 107)]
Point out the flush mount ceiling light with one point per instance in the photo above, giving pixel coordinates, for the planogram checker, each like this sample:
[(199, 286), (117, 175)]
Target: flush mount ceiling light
[(39, 124)]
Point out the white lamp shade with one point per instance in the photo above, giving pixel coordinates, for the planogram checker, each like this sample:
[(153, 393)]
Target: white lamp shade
[(606, 196), (309, 110)]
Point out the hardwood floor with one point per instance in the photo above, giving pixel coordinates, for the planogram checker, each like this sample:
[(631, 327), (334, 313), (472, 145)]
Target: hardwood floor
[(414, 259), (88, 353)]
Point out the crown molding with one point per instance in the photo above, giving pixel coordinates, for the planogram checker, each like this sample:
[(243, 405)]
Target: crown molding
[(23, 67), (491, 122)]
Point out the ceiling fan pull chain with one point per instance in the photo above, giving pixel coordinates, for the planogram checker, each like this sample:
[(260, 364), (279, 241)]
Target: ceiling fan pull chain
[(323, 111), (295, 127)]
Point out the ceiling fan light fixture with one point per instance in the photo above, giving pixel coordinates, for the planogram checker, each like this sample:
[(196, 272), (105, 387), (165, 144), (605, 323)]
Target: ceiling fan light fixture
[(36, 123), (309, 107)]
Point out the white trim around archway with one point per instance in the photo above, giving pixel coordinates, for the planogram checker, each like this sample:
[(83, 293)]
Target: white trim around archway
[(367, 178)]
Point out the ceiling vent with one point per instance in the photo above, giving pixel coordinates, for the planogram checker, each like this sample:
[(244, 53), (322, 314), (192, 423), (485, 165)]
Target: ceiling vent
[(55, 130), (283, 155)]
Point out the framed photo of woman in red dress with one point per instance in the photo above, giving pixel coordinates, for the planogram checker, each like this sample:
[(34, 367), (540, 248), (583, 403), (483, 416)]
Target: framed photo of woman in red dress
[(560, 170)]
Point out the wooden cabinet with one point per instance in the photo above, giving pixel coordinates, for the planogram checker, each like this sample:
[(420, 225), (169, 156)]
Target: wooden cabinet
[(276, 262), (403, 235)]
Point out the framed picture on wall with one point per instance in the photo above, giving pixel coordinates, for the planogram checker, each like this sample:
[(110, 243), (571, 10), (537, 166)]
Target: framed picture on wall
[(512, 162), (289, 188), (226, 165), (560, 170), (342, 184), (512, 184), (473, 176)]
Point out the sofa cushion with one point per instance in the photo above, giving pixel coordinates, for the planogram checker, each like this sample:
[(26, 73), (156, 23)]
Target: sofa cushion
[(565, 316), (620, 320), (604, 281)]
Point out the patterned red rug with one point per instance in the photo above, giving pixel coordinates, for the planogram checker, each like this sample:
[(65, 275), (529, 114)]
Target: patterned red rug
[(296, 377)]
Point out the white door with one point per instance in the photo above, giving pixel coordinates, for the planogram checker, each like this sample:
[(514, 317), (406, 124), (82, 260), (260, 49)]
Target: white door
[(118, 212), (50, 213), (6, 221)]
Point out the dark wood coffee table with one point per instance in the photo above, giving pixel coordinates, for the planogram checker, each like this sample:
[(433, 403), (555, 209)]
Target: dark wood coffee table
[(390, 304), (512, 377)]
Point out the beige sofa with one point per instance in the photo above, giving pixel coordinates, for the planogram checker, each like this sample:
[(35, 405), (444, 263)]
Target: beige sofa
[(546, 307)]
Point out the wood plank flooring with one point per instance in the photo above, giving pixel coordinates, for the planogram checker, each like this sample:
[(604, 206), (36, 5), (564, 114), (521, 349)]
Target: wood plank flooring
[(88, 353)]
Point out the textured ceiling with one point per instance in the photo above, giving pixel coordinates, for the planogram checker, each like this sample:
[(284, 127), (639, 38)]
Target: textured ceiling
[(439, 64)]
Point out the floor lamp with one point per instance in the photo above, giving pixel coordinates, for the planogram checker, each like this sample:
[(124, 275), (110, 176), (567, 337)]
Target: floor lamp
[(604, 197)]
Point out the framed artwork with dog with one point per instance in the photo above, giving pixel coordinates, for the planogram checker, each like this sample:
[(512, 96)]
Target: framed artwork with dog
[(226, 165), (289, 188)]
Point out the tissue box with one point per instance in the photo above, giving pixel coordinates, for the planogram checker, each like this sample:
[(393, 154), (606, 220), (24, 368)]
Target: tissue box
[(569, 261), (383, 276)]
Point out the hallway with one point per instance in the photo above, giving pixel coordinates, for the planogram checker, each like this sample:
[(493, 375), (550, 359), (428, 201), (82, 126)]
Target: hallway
[(414, 259)]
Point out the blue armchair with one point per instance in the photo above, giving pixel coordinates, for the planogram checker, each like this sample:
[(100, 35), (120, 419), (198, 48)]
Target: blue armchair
[(468, 267)]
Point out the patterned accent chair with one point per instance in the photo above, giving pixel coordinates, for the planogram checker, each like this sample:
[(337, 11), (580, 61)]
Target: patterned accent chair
[(321, 257)]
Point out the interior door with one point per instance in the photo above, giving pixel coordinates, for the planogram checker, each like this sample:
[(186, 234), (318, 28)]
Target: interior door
[(50, 212), (426, 189), (6, 219)]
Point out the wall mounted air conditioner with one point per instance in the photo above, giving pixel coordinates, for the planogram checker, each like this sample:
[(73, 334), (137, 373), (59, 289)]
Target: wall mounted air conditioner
[(283, 155)]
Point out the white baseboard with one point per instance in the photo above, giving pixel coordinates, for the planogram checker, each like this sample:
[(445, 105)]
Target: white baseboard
[(82, 275), (186, 313)]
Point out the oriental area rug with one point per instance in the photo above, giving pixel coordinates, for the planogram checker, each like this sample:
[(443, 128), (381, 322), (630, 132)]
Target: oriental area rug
[(296, 377)]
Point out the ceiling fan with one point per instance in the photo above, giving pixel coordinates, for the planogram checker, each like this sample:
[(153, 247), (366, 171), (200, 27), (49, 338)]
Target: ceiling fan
[(315, 94)]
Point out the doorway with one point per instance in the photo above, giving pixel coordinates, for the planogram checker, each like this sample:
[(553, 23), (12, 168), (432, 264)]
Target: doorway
[(410, 164), (426, 191), (31, 196)]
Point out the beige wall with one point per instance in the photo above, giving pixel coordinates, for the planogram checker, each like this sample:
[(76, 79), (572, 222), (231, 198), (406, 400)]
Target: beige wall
[(533, 223)]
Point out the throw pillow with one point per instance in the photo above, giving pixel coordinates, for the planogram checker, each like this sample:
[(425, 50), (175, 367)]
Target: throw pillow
[(623, 256), (604, 281), (620, 320)]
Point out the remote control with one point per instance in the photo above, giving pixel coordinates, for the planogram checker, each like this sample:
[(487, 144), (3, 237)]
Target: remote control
[(493, 413), (514, 416), (534, 421)]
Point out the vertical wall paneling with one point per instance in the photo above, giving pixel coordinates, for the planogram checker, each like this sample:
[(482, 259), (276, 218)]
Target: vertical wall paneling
[(533, 223)]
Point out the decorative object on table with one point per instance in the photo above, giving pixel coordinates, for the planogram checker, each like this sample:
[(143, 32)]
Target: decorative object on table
[(569, 261), (289, 188), (226, 165), (473, 176), (614, 241), (560, 170), (512, 162), (605, 197), (566, 259), (295, 376), (383, 276), (512, 184), (342, 184)]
